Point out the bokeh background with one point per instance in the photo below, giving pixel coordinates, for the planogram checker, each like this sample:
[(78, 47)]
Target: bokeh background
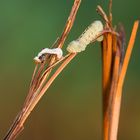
[(71, 108)]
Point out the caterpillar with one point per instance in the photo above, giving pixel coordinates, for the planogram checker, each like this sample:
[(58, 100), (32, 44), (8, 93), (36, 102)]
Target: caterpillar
[(41, 55), (86, 37)]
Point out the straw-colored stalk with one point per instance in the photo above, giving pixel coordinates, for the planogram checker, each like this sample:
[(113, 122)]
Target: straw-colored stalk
[(114, 68)]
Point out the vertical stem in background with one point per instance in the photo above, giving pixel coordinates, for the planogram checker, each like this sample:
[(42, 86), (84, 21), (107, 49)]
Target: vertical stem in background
[(106, 70), (113, 79), (116, 103), (113, 73), (113, 84)]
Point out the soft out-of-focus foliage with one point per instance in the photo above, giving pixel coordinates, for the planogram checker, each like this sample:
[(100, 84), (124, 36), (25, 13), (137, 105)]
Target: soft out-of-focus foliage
[(71, 109)]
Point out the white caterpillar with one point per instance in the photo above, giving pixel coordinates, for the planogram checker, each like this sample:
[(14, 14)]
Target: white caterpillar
[(56, 51), (86, 38)]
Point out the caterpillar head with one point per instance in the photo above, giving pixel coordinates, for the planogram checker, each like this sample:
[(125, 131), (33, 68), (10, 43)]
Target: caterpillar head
[(98, 27)]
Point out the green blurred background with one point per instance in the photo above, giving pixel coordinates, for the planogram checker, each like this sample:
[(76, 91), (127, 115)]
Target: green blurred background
[(71, 109)]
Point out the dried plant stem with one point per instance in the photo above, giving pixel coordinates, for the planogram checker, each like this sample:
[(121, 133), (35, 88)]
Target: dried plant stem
[(128, 54), (103, 15), (41, 93), (114, 69), (35, 100), (113, 83), (118, 94), (110, 12), (36, 87), (44, 77), (106, 68), (112, 89), (107, 60), (69, 23)]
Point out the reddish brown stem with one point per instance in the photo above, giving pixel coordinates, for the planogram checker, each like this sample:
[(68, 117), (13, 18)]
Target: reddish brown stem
[(106, 70), (41, 93), (118, 94)]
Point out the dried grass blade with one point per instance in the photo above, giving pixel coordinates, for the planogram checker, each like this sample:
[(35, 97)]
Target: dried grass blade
[(128, 54), (109, 56), (112, 94), (37, 98), (118, 93), (107, 61)]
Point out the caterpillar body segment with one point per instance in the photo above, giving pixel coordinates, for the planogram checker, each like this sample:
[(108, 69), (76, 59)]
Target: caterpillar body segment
[(86, 37)]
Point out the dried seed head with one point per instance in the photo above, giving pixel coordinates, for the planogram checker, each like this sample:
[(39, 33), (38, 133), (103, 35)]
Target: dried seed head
[(55, 51), (86, 38)]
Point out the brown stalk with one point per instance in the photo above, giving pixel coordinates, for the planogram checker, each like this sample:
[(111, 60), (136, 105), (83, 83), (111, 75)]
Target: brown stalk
[(128, 54), (43, 76), (114, 72), (112, 88), (103, 15), (110, 12), (108, 58), (118, 93), (107, 61), (41, 93), (114, 69), (35, 95), (35, 99), (42, 80), (69, 23)]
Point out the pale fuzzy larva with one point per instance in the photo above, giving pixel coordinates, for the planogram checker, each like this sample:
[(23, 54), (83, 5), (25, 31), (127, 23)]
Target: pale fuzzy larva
[(86, 38), (55, 51)]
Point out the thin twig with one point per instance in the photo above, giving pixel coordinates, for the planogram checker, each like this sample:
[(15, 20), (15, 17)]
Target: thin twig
[(103, 15), (69, 23), (110, 11)]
